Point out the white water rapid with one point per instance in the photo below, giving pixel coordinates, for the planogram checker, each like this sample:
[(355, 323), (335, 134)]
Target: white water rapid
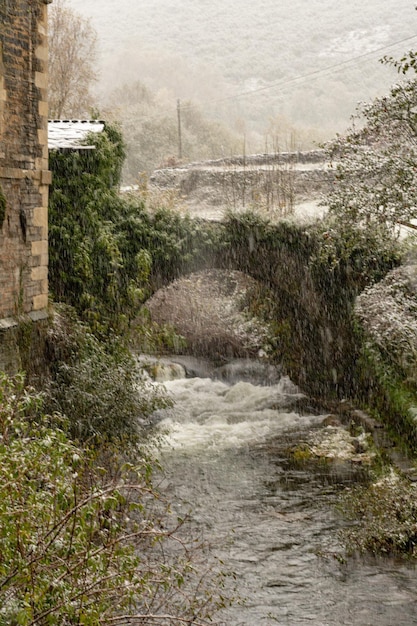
[(272, 523)]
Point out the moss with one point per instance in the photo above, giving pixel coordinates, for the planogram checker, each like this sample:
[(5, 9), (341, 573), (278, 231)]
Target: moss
[(382, 390), (301, 454)]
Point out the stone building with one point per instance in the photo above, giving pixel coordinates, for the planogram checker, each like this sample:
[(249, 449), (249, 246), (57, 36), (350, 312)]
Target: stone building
[(24, 175), (24, 180)]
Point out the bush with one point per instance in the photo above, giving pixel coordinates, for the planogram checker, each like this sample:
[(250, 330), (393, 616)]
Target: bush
[(385, 515), (83, 543), (91, 266), (100, 388)]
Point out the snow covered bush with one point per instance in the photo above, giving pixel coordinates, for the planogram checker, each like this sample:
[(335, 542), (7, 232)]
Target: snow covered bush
[(388, 313), (384, 515), (387, 367)]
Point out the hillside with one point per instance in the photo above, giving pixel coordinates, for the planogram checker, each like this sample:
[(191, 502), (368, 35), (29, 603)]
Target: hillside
[(209, 51)]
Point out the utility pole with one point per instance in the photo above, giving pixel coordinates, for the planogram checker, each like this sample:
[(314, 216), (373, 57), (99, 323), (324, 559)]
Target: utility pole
[(179, 130)]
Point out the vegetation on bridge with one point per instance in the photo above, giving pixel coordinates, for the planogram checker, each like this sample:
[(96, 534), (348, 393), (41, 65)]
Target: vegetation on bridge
[(108, 254)]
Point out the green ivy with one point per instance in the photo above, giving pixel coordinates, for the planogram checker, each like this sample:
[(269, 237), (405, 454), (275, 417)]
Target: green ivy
[(107, 253)]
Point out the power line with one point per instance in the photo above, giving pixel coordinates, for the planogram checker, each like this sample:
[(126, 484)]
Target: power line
[(314, 73)]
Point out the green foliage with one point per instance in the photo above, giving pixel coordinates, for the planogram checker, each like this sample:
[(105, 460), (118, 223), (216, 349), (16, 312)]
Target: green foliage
[(148, 337), (179, 244), (341, 263), (107, 253), (86, 539), (100, 388), (352, 252), (314, 276), (407, 62), (385, 516), (249, 236), (90, 172), (380, 386), (105, 395), (385, 333), (90, 263)]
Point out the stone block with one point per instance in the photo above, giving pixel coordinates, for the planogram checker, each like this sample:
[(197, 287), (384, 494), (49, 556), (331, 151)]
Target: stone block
[(41, 52), (40, 218), (46, 177), (40, 302), (39, 273), (41, 80), (40, 247), (43, 136), (43, 108)]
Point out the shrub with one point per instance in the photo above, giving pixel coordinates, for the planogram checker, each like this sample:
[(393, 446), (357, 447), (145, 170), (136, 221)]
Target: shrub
[(385, 515), (100, 388), (84, 544), (90, 266)]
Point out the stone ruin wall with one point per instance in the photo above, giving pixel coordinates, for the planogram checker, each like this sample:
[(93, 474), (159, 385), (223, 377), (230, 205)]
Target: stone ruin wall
[(24, 175)]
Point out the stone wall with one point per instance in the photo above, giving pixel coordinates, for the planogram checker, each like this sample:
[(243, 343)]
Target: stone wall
[(275, 183), (24, 175)]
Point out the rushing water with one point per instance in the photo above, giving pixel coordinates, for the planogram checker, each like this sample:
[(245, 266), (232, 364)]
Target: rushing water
[(273, 524)]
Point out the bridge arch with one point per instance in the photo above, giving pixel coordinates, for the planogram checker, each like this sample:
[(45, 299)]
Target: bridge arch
[(312, 302)]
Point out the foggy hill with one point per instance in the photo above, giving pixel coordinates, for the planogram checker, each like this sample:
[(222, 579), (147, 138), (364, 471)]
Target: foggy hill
[(207, 50)]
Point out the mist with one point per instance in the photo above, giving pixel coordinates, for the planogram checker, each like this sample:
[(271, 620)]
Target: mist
[(262, 69)]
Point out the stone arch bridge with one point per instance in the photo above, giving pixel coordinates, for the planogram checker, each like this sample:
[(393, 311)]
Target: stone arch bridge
[(312, 303)]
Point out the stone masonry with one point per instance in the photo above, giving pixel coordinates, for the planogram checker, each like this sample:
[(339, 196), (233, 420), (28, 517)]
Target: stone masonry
[(24, 175)]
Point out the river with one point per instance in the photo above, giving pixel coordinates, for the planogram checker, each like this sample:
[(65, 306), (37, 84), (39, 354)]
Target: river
[(271, 522)]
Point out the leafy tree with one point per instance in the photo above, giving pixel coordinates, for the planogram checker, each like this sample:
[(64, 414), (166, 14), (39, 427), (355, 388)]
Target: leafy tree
[(87, 266), (375, 165), (372, 192), (72, 57)]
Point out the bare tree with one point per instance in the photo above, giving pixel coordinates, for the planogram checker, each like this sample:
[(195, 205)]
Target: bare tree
[(72, 56)]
